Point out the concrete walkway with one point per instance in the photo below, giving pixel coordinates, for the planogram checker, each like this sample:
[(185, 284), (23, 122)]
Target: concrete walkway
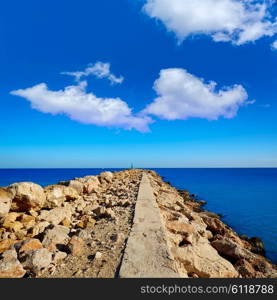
[(146, 254)]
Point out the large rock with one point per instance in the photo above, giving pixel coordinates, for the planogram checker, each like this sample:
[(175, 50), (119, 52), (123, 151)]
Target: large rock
[(39, 228), (29, 245), (10, 267), (203, 260), (5, 202), (56, 195), (106, 176), (36, 261), (27, 221), (180, 227), (58, 256), (56, 235), (214, 224), (27, 196), (76, 246), (91, 185), (56, 215), (230, 249), (75, 184), (6, 244)]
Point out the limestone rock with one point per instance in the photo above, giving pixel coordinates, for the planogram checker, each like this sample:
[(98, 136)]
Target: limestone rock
[(180, 227), (11, 217), (10, 266), (75, 184), (229, 248), (91, 185), (66, 222), (214, 224), (27, 196), (6, 244), (56, 235), (30, 245), (245, 268), (106, 176), (56, 215), (36, 261), (5, 202), (27, 221), (203, 260), (58, 256), (13, 226), (39, 228), (76, 246), (56, 195)]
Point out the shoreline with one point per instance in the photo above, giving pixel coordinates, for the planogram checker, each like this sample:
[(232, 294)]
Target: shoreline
[(80, 227)]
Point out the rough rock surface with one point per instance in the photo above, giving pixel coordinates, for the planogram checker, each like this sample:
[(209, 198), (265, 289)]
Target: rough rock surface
[(5, 202), (10, 267), (27, 196), (201, 244), (80, 228)]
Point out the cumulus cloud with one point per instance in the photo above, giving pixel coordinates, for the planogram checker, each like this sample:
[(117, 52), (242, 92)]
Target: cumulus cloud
[(274, 45), (99, 69), (182, 95), (235, 21), (84, 107)]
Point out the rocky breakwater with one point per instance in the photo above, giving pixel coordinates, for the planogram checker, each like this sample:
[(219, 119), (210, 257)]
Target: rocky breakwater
[(76, 228), (200, 244)]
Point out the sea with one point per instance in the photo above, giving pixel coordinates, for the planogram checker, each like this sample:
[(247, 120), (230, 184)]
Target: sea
[(246, 197)]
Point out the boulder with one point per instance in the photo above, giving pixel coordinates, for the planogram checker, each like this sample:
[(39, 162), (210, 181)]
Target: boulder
[(106, 176), (56, 235), (56, 215), (203, 260), (91, 185), (56, 195), (5, 202), (230, 249), (245, 269), (11, 217), (214, 224), (27, 221), (27, 196), (13, 226), (38, 260), (39, 228), (58, 256), (76, 246), (75, 184), (10, 267), (6, 244), (210, 214), (180, 227), (30, 245)]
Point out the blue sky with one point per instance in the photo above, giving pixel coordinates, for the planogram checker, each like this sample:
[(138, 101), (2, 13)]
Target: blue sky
[(230, 125)]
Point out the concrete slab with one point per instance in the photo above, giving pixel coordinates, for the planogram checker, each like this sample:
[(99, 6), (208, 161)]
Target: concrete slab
[(146, 254)]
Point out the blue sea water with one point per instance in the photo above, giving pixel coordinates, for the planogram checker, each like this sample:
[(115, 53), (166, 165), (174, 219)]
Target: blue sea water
[(246, 197)]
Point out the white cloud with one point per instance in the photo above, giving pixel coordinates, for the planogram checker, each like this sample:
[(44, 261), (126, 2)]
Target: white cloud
[(99, 69), (182, 95), (235, 21), (274, 45), (84, 107)]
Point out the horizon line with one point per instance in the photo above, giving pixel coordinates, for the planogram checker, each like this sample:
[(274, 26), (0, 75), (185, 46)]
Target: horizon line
[(89, 168)]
